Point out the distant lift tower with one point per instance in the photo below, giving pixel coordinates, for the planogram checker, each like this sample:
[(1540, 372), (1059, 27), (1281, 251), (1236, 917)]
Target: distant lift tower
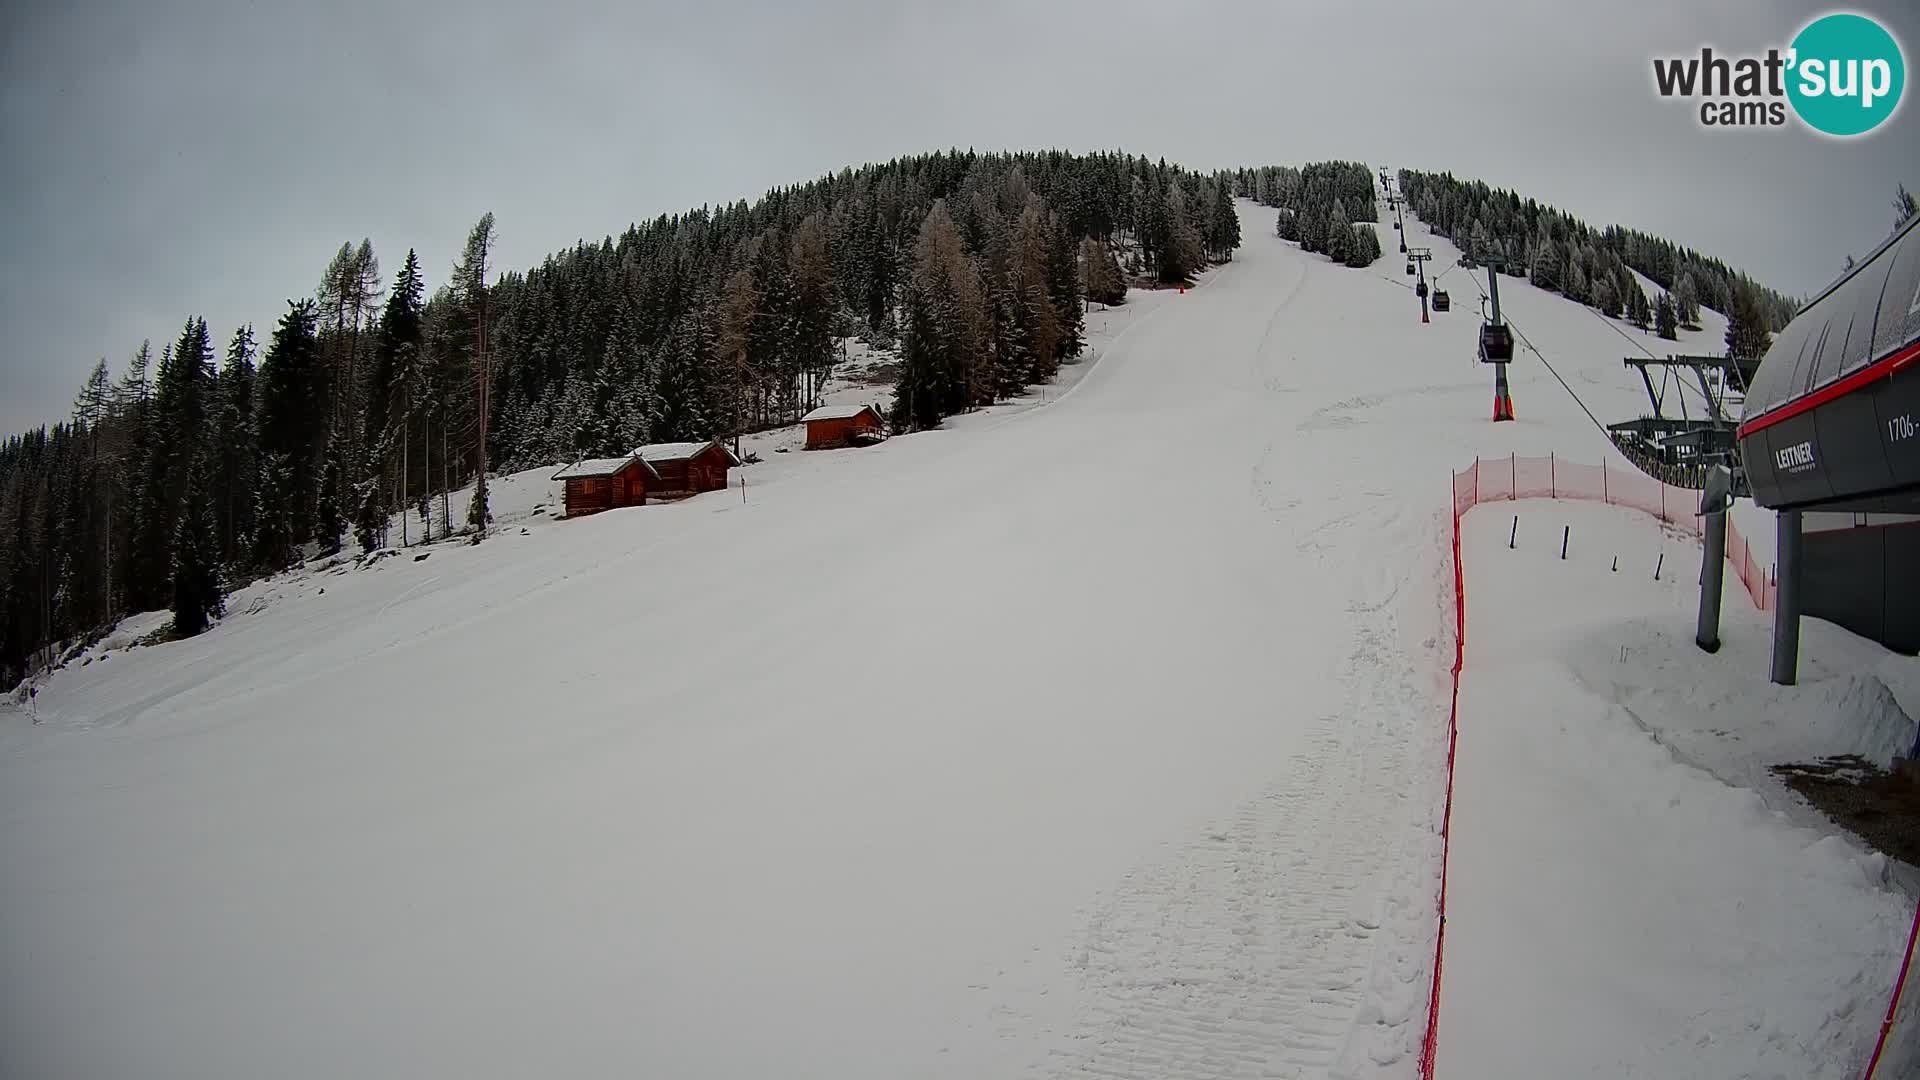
[(1496, 344), (1417, 258), (1395, 202)]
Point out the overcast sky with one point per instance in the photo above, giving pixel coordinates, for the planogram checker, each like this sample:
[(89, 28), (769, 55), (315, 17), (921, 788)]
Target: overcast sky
[(207, 157)]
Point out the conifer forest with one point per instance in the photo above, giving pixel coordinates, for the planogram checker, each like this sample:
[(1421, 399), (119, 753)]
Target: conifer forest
[(220, 455)]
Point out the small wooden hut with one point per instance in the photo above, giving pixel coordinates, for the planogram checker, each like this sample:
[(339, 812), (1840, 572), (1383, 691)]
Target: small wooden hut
[(686, 468), (600, 484), (831, 426)]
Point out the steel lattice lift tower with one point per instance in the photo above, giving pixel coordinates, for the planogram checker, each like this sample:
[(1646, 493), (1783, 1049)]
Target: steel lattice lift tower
[(1496, 342), (1417, 261)]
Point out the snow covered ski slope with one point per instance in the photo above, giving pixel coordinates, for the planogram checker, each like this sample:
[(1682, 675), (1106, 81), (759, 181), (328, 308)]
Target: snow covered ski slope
[(1100, 739)]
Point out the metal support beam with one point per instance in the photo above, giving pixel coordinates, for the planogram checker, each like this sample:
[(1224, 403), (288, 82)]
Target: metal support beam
[(1786, 616), (1714, 411), (1652, 394), (1713, 573)]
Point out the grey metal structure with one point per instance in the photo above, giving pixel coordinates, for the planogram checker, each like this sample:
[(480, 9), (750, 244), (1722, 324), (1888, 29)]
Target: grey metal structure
[(1831, 426), (1714, 501), (1786, 617), (1681, 450)]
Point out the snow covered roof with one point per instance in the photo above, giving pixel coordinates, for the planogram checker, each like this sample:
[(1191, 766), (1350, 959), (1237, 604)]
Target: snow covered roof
[(839, 412), (596, 467), (679, 451)]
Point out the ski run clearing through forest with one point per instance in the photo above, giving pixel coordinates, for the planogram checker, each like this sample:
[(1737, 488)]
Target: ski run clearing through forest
[(1099, 739)]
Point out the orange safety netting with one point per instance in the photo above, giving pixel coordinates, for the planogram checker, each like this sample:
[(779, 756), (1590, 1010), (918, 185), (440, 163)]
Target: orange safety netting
[(1515, 477)]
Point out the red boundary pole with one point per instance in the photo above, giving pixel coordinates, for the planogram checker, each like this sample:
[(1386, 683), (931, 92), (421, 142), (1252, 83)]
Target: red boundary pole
[(1430, 1046), (1893, 1007)]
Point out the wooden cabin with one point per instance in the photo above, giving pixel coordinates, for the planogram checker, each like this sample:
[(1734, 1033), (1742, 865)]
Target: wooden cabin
[(606, 483), (685, 468), (831, 426)]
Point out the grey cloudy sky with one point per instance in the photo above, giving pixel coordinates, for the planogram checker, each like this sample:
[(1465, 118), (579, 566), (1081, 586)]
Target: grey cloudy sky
[(161, 160)]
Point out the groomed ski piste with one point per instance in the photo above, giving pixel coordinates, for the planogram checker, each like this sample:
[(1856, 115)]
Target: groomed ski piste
[(1097, 735)]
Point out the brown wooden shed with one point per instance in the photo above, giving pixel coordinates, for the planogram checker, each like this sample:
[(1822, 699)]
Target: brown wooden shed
[(686, 468), (831, 426), (605, 483)]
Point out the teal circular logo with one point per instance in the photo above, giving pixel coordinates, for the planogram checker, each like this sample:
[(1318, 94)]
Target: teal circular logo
[(1846, 74)]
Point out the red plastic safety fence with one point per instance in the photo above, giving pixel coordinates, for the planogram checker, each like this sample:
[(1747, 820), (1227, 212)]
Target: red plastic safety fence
[(1893, 1006), (1463, 494), (1515, 477)]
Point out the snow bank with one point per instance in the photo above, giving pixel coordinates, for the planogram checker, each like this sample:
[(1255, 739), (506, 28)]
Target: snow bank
[(1615, 910)]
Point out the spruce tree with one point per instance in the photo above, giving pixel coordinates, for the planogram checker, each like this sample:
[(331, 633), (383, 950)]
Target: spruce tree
[(1747, 337), (1179, 250), (1665, 321), (1606, 299), (293, 434), (1363, 246), (1339, 236), (400, 392), (1064, 288), (470, 283), (1686, 302), (235, 448), (330, 518), (197, 598), (369, 508)]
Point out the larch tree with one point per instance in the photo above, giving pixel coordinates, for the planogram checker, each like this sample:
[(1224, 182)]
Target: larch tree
[(942, 355), (811, 276)]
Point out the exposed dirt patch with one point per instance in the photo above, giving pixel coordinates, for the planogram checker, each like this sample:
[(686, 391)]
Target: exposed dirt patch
[(1879, 807)]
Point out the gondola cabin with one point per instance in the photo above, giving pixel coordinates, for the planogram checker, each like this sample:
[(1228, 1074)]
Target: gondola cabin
[(1496, 343), (1441, 301), (831, 426), (600, 484), (686, 468), (1420, 290)]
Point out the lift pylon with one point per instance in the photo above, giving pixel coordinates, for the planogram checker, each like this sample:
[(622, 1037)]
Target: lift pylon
[(1496, 342), (1418, 258)]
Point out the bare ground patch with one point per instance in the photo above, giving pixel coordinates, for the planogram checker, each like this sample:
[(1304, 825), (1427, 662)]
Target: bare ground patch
[(1880, 807)]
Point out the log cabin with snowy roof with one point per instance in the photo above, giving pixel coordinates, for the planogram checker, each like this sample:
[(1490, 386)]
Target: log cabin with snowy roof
[(597, 484), (833, 426), (680, 469)]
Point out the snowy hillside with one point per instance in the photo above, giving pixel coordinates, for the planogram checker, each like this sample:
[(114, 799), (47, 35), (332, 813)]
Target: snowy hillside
[(1099, 734)]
